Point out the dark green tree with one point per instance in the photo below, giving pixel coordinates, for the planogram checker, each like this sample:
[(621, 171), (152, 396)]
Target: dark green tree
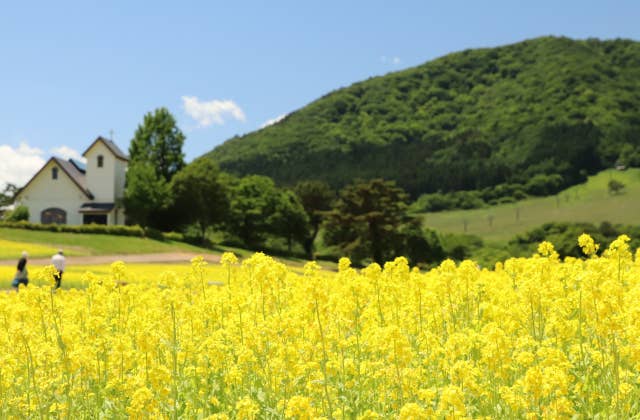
[(366, 219), (615, 186), (159, 140), (146, 193), (8, 194), (317, 198), (199, 195), (289, 219), (155, 155), (251, 203)]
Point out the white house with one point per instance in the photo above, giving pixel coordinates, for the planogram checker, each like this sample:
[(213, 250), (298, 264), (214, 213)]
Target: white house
[(70, 192)]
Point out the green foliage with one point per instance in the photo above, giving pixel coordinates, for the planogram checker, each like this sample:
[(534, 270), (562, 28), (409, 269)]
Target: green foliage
[(366, 220), (289, 219), (615, 187), (8, 194), (542, 184), (155, 157), (448, 201), (158, 141), (20, 213), (564, 236), (146, 194), (466, 121), (502, 193), (250, 204), (420, 246), (316, 198), (460, 246), (199, 196), (117, 230)]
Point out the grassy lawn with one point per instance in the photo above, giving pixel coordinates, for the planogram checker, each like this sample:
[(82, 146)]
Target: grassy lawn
[(588, 202), (44, 244)]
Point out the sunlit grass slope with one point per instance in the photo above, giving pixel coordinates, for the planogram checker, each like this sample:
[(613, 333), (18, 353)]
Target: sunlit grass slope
[(85, 244), (589, 202)]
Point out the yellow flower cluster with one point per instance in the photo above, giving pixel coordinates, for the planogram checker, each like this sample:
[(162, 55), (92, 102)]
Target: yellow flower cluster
[(534, 338)]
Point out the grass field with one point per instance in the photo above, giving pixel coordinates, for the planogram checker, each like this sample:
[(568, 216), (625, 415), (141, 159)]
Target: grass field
[(588, 202), (43, 244)]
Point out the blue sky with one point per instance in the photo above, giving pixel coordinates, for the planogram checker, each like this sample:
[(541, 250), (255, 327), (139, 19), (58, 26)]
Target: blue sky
[(74, 70)]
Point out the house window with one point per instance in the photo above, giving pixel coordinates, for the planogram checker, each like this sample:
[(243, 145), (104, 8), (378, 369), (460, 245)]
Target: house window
[(54, 173), (53, 215), (100, 161)]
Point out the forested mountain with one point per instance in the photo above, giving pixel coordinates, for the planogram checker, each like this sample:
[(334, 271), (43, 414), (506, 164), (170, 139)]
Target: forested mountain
[(465, 121)]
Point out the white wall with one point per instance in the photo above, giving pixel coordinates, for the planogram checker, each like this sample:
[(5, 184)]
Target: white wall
[(120, 177), (101, 181), (44, 192)]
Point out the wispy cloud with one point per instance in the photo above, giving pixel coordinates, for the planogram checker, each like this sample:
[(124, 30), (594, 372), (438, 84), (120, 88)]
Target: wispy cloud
[(212, 112), (391, 60), (66, 152), (19, 164), (273, 120)]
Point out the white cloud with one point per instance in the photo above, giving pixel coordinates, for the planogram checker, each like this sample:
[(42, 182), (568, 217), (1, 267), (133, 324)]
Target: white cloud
[(65, 152), (18, 165), (212, 112), (391, 60), (273, 120)]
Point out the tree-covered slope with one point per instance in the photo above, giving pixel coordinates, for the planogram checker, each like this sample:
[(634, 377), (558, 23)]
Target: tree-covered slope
[(468, 120)]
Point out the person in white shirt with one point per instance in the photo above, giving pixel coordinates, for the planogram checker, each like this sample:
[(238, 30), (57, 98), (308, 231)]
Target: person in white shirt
[(58, 262)]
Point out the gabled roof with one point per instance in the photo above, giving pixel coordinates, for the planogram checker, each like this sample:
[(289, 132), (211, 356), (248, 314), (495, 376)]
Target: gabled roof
[(72, 172), (119, 154), (82, 167)]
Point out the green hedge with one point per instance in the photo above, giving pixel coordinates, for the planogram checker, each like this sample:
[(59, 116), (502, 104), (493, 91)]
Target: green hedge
[(91, 228), (135, 230)]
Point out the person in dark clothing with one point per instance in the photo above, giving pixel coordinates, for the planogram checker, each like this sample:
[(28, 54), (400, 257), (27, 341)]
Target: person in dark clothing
[(22, 276)]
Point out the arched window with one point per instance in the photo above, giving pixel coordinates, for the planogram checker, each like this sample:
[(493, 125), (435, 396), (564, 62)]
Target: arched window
[(53, 215), (54, 173), (100, 161)]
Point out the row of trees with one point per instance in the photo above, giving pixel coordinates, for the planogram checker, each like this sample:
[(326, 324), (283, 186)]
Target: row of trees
[(366, 220)]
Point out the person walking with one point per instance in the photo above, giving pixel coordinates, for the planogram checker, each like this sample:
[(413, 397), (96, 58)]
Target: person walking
[(22, 276), (58, 262)]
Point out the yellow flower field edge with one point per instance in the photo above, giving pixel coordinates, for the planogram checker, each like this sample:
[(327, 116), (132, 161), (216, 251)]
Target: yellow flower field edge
[(534, 338)]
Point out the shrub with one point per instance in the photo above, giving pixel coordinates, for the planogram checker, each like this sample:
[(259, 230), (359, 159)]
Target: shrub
[(460, 246), (542, 184), (91, 228), (20, 213), (173, 236)]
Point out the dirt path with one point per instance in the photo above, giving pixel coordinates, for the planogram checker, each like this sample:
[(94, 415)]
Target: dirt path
[(167, 257)]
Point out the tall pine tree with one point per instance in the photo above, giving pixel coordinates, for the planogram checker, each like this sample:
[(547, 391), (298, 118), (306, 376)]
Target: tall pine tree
[(155, 156), (158, 140)]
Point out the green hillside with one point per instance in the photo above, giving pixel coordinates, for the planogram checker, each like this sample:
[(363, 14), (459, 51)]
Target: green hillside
[(88, 244), (589, 202), (464, 121)]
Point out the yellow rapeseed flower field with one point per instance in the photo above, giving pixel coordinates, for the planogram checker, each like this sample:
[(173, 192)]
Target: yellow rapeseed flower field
[(11, 249), (533, 338)]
